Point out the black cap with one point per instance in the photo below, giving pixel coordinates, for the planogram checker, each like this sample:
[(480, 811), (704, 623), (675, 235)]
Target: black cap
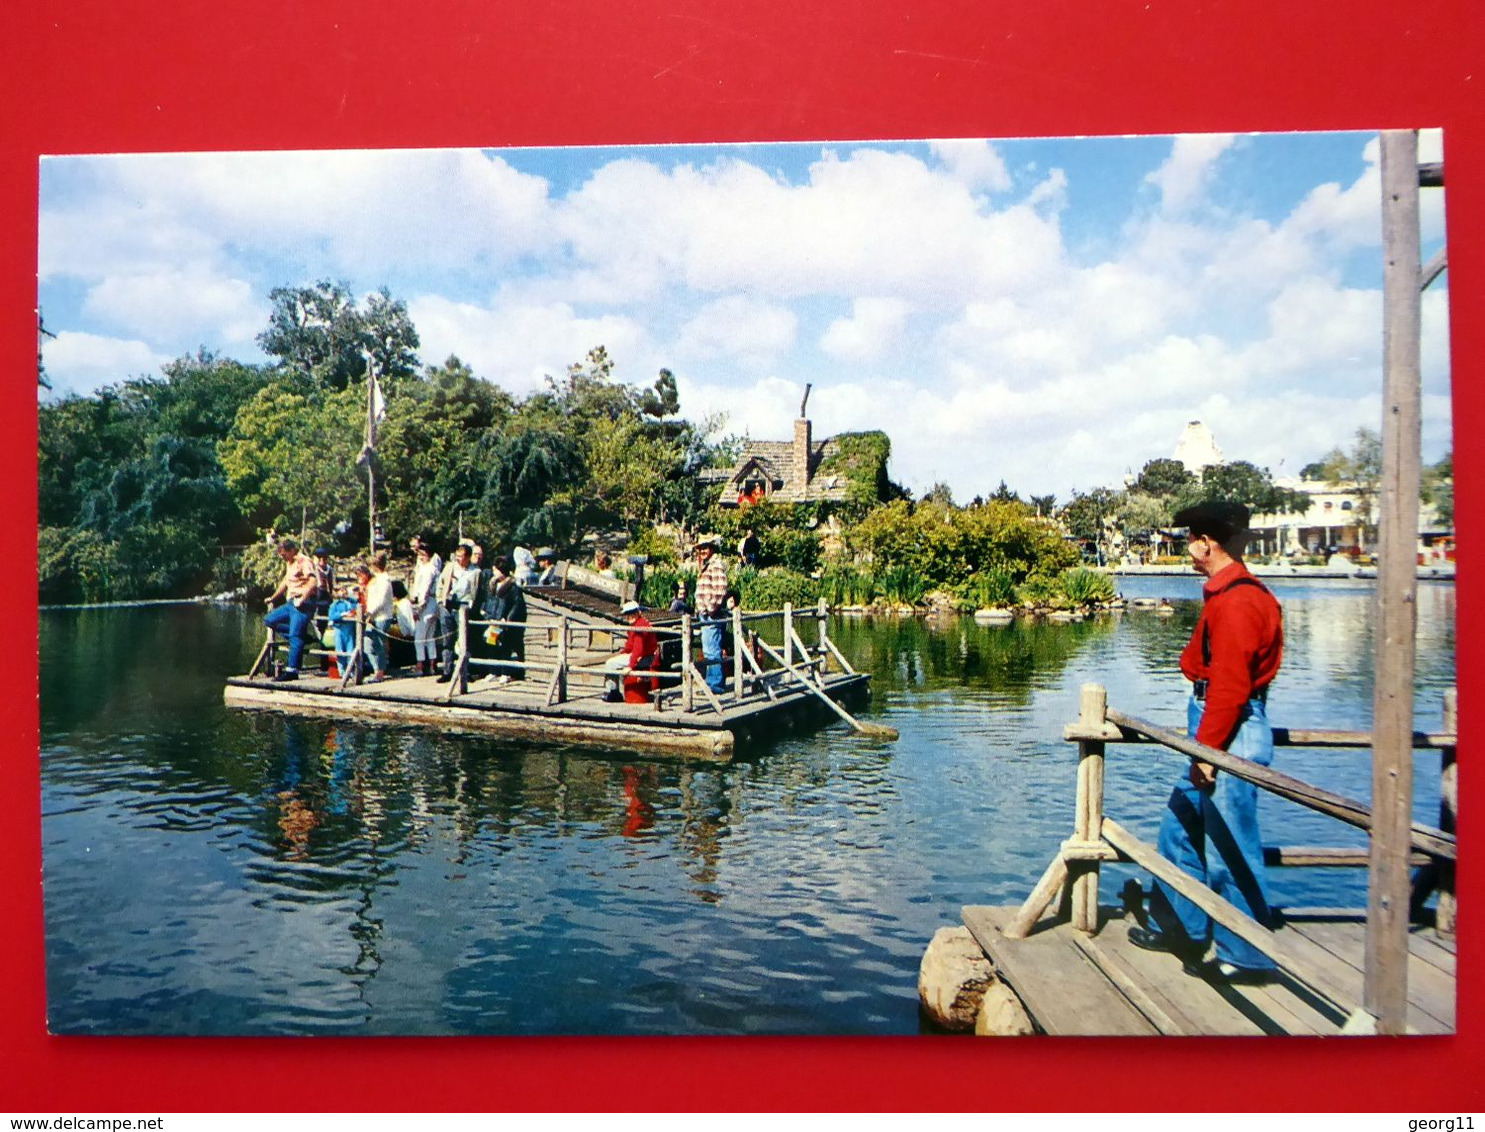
[(1214, 518), (321, 552)]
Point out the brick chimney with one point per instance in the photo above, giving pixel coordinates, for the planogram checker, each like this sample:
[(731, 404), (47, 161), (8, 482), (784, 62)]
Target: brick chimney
[(801, 468)]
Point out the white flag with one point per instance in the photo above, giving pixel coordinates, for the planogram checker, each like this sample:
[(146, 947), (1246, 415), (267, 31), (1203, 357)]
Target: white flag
[(378, 402)]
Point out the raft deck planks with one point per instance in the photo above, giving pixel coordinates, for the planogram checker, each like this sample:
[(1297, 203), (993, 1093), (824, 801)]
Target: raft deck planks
[(1072, 983), (520, 709)]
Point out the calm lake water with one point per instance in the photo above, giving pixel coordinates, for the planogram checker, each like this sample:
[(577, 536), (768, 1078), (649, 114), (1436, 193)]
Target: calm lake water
[(216, 872)]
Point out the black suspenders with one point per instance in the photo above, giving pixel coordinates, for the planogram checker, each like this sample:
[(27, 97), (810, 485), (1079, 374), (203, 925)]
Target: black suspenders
[(1206, 629)]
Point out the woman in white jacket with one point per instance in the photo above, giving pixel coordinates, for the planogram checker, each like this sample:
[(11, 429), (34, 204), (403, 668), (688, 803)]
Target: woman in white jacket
[(425, 606)]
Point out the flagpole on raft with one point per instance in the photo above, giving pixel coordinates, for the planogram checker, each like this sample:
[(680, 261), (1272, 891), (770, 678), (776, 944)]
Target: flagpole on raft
[(370, 462)]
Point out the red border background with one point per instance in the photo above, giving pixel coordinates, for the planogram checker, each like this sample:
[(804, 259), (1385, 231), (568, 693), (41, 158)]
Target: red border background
[(114, 75)]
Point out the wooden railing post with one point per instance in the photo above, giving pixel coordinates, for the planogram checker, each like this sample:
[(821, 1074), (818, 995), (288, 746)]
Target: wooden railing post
[(1088, 821), (1448, 812), (821, 617), (564, 638), (688, 689), (358, 662), (463, 675), (738, 644), (788, 633), (265, 656)]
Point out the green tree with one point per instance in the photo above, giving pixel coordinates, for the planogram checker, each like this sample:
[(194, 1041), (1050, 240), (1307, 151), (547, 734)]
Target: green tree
[(1141, 514), (1163, 478), (1003, 494), (431, 450), (1438, 489), (1359, 471), (134, 467), (940, 493), (1239, 481), (289, 456), (319, 334), (1091, 518)]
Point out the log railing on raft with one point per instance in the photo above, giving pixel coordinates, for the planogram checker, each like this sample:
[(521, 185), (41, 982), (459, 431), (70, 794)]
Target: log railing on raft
[(761, 670)]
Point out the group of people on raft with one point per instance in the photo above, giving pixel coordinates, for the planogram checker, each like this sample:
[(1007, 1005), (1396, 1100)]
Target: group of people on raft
[(438, 590)]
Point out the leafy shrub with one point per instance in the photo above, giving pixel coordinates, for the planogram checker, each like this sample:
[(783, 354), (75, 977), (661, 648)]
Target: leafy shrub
[(772, 586), (902, 585), (945, 546), (262, 569), (1041, 589), (660, 550), (845, 585), (76, 566), (226, 575), (990, 588), (659, 586), (788, 535), (1084, 587)]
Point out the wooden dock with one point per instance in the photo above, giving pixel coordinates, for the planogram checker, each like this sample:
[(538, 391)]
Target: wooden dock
[(1062, 963), (1101, 984)]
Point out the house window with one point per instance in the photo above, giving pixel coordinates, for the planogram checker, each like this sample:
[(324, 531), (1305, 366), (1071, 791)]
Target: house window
[(753, 489), (1346, 506)]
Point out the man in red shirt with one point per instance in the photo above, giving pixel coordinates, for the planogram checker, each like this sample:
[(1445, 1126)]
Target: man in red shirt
[(1211, 826), (639, 655)]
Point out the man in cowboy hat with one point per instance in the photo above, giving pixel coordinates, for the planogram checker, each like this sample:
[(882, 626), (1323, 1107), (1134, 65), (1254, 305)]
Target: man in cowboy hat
[(711, 608), (1210, 828)]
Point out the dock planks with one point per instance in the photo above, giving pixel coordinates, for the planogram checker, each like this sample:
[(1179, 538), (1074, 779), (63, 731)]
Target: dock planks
[(1074, 983)]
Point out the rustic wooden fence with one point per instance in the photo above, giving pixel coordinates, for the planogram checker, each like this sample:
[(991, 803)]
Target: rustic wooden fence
[(1073, 874)]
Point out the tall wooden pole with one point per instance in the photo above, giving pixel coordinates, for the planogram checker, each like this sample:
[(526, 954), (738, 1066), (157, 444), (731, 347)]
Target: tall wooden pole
[(370, 459), (1386, 994)]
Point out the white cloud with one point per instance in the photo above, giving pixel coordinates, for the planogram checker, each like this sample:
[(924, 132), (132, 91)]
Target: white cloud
[(360, 211), (974, 338), (738, 328), (516, 346), (1322, 330), (869, 223), (1051, 191), (973, 162), (77, 362), (1183, 178), (874, 327), (182, 305)]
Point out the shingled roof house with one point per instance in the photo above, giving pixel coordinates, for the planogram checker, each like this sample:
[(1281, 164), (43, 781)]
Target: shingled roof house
[(781, 470)]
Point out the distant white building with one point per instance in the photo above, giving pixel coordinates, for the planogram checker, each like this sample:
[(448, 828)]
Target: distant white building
[(1197, 448), (1330, 521)]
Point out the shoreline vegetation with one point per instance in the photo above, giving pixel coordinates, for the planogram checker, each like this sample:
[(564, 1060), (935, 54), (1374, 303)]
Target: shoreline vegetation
[(164, 488)]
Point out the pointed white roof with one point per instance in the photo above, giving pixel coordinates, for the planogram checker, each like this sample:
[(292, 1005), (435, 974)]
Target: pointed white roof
[(1197, 448)]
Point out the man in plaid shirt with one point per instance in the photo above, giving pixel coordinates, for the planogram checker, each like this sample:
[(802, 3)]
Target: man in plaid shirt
[(711, 600)]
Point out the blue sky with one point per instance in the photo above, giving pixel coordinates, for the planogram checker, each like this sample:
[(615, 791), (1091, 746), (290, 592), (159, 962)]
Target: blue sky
[(1050, 312)]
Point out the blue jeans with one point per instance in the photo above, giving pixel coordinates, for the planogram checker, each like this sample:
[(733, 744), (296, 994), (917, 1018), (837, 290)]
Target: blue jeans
[(374, 642), (711, 652), (1213, 837), (292, 621)]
